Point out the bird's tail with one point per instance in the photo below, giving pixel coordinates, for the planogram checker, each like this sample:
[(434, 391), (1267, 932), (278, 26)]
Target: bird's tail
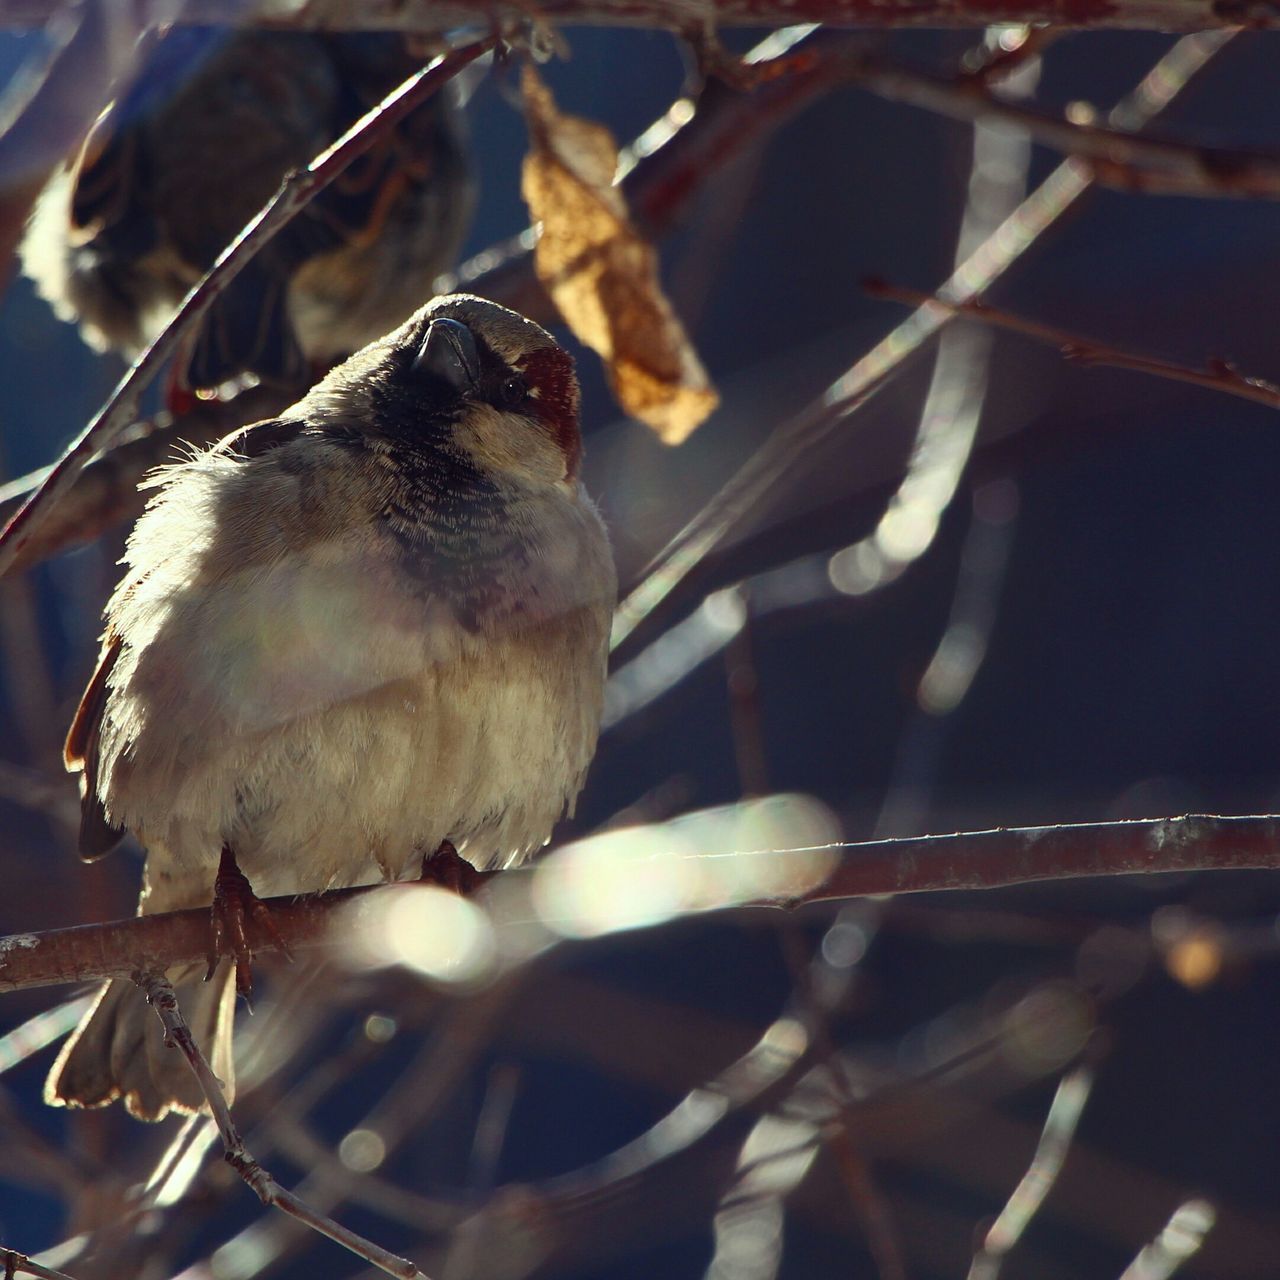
[(118, 1050)]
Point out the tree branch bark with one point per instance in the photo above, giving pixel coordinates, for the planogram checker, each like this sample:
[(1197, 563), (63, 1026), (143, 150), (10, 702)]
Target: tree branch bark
[(437, 16), (1119, 158), (1217, 375), (106, 492), (972, 860)]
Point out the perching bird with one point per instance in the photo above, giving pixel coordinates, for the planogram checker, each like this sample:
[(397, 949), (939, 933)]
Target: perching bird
[(181, 162), (345, 636)]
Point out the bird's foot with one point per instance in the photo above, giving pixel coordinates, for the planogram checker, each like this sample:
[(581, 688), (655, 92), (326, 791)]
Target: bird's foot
[(450, 870), (234, 904)]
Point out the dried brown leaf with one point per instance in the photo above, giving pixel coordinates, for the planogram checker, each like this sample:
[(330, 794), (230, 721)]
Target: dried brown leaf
[(602, 274)]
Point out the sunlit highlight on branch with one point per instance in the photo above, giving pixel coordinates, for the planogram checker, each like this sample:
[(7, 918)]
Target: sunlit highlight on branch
[(640, 876), (767, 849)]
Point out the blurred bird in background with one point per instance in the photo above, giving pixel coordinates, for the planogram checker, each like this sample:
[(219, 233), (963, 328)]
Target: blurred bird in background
[(181, 162)]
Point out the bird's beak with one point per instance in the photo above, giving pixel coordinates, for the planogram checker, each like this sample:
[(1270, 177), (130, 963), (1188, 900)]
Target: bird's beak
[(448, 352)]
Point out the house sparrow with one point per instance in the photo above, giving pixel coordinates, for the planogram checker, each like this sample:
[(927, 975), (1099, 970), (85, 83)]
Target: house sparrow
[(181, 162), (344, 637)]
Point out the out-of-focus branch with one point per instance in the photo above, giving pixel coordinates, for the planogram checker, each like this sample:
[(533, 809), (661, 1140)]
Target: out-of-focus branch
[(295, 193), (1180, 1240), (1037, 1182), (923, 864), (1117, 157), (106, 491), (1217, 375), (45, 115), (434, 16), (161, 997)]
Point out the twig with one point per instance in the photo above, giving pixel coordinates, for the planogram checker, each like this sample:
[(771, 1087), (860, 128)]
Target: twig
[(16, 1264), (648, 1186), (1117, 157), (501, 1086), (105, 493), (669, 165), (420, 1089), (337, 1182), (1217, 375), (919, 864), (297, 190), (999, 167), (41, 1029), (955, 662), (437, 16), (1037, 1182), (819, 990), (746, 717), (161, 997)]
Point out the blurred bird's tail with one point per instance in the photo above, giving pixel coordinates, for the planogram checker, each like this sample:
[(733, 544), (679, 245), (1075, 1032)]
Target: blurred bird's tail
[(118, 1050)]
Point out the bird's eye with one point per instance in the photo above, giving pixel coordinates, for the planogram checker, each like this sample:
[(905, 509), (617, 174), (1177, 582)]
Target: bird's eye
[(513, 391)]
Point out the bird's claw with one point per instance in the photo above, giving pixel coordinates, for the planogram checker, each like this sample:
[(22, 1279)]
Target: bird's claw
[(447, 868), (234, 903)]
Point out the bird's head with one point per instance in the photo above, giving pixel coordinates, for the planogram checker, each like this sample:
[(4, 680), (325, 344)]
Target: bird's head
[(471, 378)]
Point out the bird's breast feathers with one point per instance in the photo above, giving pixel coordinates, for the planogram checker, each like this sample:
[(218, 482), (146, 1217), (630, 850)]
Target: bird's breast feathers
[(264, 642)]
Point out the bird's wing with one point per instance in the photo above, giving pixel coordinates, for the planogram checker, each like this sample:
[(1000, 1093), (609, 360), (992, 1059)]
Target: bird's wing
[(80, 754), (108, 205)]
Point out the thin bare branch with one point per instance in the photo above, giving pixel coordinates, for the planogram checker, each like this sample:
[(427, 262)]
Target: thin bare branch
[(920, 864), (1217, 375), (161, 997), (18, 1264), (1117, 157), (843, 1138), (297, 190), (106, 492), (438, 16), (420, 1090)]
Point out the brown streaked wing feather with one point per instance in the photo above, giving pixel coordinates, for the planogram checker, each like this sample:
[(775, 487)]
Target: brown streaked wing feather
[(97, 835), (105, 176)]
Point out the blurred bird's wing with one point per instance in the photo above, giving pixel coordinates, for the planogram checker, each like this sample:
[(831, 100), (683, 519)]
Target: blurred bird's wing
[(112, 173)]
